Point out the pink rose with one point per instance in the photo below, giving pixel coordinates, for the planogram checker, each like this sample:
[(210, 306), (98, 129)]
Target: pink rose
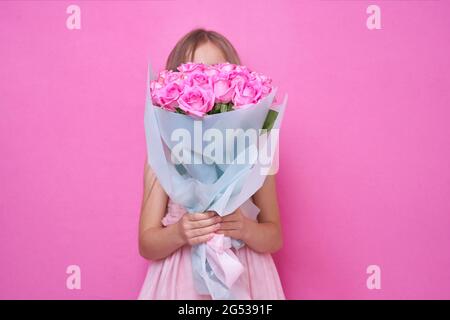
[(167, 96), (265, 81), (266, 88), (225, 67), (175, 77), (211, 71), (155, 85), (197, 78), (238, 78), (247, 93), (196, 100), (223, 88), (242, 69), (162, 77), (190, 67)]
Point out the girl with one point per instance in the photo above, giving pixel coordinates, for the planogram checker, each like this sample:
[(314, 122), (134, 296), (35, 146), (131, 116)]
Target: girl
[(167, 232)]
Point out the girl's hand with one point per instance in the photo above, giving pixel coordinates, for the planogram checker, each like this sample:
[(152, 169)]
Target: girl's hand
[(235, 225), (196, 228)]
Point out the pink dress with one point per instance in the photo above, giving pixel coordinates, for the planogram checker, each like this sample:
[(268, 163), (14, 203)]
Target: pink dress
[(171, 278)]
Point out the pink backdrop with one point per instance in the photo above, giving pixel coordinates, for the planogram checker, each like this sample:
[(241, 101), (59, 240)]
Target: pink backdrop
[(364, 178)]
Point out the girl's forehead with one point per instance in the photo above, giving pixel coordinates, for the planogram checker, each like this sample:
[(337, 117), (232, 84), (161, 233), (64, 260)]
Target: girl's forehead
[(208, 53)]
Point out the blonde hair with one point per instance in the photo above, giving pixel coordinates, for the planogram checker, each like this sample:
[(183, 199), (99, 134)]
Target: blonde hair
[(185, 48)]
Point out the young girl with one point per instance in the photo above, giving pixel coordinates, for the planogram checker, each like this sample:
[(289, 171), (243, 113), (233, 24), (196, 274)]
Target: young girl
[(167, 232)]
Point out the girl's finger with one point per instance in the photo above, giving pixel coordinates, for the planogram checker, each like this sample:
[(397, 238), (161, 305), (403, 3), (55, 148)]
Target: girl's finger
[(230, 225), (201, 215), (204, 223), (231, 217), (201, 239), (202, 231)]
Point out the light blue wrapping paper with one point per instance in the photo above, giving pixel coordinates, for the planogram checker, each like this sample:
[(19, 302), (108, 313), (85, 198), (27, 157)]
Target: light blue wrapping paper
[(209, 187)]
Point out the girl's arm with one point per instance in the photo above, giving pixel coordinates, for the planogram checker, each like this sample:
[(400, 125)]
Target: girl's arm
[(263, 235), (157, 241)]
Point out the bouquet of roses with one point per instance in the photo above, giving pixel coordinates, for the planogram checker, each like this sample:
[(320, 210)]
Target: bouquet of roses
[(230, 109), (197, 89)]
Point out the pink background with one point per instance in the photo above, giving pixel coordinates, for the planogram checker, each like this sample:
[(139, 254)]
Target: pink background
[(364, 178)]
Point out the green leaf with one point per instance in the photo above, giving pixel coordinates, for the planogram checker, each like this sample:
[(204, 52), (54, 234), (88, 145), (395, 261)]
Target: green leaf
[(223, 107), (178, 110)]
